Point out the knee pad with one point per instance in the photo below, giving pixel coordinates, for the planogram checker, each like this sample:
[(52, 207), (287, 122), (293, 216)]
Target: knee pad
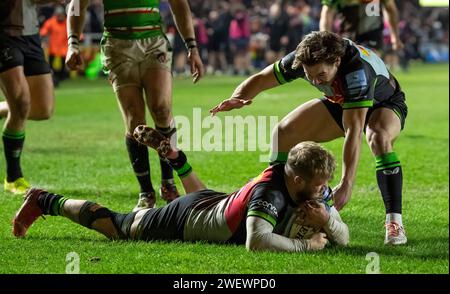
[(90, 212)]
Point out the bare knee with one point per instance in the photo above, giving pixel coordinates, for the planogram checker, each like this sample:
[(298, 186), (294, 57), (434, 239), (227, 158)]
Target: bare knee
[(19, 107), (282, 130), (280, 136), (379, 141)]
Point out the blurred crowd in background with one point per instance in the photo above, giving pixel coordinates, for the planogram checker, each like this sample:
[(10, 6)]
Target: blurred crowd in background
[(240, 36)]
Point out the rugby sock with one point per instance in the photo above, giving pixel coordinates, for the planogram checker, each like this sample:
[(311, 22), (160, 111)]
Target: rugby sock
[(138, 154), (278, 157), (51, 203), (390, 181), (13, 145), (166, 169), (180, 164)]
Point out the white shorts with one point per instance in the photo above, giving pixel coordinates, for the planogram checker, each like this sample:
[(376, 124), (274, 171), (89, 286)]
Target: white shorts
[(126, 61)]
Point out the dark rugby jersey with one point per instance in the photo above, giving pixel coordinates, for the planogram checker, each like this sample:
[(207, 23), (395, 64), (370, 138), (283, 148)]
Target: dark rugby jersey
[(362, 80), (18, 18), (357, 17), (213, 216)]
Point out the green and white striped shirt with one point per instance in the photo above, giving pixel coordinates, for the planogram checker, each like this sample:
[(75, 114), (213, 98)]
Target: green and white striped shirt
[(132, 19)]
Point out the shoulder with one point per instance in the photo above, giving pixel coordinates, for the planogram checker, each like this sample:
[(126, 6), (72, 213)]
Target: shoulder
[(283, 69)]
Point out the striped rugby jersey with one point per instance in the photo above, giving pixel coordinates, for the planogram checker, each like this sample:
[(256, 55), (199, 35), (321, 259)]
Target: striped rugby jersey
[(132, 19)]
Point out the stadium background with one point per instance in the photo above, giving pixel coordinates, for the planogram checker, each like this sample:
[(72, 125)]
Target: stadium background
[(273, 28)]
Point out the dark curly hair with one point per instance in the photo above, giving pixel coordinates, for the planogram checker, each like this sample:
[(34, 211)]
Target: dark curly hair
[(318, 47)]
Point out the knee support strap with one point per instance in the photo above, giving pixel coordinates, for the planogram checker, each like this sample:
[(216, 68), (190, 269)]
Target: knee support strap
[(90, 212)]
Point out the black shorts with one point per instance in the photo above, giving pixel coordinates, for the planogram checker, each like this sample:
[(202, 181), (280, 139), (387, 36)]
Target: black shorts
[(23, 51), (396, 103), (372, 40), (167, 223)]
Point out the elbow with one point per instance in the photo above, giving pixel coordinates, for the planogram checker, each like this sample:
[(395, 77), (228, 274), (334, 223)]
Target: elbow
[(344, 240), (251, 248), (253, 244)]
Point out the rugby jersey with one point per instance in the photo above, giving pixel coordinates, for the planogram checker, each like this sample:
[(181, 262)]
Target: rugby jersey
[(132, 19)]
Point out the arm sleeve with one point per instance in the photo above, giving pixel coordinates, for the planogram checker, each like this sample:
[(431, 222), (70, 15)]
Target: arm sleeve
[(336, 229), (358, 89), (283, 71), (266, 203), (261, 237)]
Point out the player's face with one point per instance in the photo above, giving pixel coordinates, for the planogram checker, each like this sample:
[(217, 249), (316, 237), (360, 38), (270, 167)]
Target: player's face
[(321, 73), (312, 189)]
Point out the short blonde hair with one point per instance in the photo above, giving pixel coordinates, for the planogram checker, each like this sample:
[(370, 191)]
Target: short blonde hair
[(309, 159)]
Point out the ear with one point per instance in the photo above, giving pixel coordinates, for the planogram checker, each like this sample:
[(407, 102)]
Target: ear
[(338, 62), (299, 181)]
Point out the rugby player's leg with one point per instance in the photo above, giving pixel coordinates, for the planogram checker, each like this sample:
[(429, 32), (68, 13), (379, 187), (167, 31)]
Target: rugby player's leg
[(4, 109), (310, 121), (175, 157), (383, 128), (88, 214), (157, 82), (132, 106), (42, 96), (15, 88)]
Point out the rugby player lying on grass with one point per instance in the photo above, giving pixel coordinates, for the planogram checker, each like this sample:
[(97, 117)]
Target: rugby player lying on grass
[(274, 211)]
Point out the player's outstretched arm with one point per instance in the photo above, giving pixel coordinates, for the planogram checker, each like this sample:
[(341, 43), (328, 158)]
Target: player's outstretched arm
[(247, 90), (260, 236), (75, 25)]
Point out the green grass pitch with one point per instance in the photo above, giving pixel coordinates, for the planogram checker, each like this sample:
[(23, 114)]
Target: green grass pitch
[(81, 153)]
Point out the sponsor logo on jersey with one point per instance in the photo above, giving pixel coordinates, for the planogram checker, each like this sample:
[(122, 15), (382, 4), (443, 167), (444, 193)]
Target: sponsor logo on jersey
[(356, 80), (363, 50), (268, 206)]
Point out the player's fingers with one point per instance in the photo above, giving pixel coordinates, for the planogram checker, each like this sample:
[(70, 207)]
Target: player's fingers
[(195, 77), (216, 109), (213, 111)]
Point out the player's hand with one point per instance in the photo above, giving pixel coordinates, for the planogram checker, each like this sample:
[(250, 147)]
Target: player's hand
[(341, 195), (229, 104), (74, 60), (397, 45), (196, 64), (317, 241), (316, 215)]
